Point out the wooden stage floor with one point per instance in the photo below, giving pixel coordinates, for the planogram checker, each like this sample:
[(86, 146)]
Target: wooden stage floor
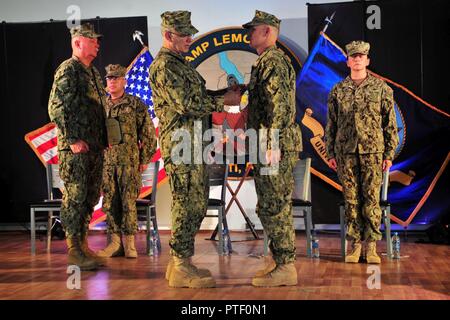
[(423, 272)]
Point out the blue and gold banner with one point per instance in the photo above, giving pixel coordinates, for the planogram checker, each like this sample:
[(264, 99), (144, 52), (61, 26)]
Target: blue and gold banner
[(416, 192)]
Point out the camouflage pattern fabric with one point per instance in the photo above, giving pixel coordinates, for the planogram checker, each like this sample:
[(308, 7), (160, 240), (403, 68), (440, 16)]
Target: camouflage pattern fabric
[(262, 17), (190, 191), (121, 175), (274, 207), (272, 99), (272, 106), (121, 185), (355, 47), (138, 142), (115, 70), (82, 176), (361, 177), (361, 119), (85, 30), (180, 98), (361, 132), (178, 21), (76, 106)]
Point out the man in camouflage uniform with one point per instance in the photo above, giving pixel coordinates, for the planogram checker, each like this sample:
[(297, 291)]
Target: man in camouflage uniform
[(180, 98), (272, 109), (132, 142), (361, 137), (76, 107)]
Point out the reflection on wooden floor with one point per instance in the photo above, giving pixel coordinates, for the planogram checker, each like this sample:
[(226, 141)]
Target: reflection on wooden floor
[(422, 273)]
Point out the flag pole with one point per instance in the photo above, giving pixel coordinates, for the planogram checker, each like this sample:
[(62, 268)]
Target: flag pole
[(137, 35), (328, 21)]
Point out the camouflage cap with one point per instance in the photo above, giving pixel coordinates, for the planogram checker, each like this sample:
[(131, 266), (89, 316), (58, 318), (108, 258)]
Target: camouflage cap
[(84, 30), (355, 47), (115, 70), (178, 21), (262, 17)]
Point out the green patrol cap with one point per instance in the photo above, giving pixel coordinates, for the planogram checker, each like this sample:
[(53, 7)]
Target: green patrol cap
[(178, 21), (115, 70), (84, 30), (262, 17), (355, 47)]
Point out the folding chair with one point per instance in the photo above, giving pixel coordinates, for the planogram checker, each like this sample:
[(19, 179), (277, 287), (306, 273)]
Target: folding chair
[(218, 174), (385, 218), (301, 202), (148, 207), (49, 205)]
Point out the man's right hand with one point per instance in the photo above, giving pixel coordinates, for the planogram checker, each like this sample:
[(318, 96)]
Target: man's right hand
[(332, 164), (79, 147)]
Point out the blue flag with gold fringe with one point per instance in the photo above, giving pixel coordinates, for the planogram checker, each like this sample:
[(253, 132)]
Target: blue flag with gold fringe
[(416, 192)]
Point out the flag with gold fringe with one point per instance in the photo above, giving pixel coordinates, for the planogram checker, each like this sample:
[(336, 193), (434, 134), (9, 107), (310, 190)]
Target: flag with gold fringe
[(416, 192), (43, 141)]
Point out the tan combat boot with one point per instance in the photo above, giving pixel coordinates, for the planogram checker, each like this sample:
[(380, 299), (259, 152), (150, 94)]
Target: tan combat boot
[(77, 257), (203, 273), (268, 268), (282, 275), (130, 249), (88, 252), (372, 256), (185, 275), (114, 248), (353, 256)]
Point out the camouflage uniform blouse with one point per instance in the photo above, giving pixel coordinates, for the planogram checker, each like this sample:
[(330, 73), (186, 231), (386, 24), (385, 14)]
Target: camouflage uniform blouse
[(272, 99), (76, 105), (179, 96), (138, 133), (361, 118)]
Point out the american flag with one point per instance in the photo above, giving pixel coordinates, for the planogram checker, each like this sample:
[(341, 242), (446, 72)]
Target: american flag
[(138, 85), (43, 141)]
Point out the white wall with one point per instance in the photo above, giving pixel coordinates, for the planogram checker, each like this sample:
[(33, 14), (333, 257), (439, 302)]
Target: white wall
[(207, 15)]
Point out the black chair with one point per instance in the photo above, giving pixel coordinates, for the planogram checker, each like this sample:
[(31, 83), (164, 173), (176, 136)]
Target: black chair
[(218, 174), (52, 205), (301, 202), (146, 208), (385, 218), (49, 205)]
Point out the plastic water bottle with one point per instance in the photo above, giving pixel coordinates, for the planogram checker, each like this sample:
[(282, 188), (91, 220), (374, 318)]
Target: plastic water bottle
[(230, 249), (150, 245), (396, 246), (227, 249), (155, 242), (153, 247), (315, 246)]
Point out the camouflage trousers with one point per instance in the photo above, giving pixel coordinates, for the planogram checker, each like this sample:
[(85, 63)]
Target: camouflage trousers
[(190, 192), (361, 177), (121, 186), (82, 176), (274, 207)]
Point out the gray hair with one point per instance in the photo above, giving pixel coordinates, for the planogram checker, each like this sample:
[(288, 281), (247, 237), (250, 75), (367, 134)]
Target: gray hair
[(165, 29)]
